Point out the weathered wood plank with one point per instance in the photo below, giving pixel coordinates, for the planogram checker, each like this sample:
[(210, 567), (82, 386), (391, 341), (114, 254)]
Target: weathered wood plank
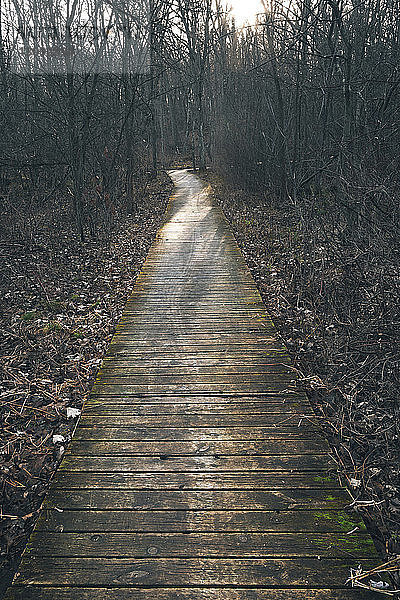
[(211, 521), (31, 592), (218, 322), (119, 350), (194, 344), (187, 388), (195, 285), (203, 331), (117, 405), (193, 545), (300, 421), (105, 431), (147, 406), (191, 388), (176, 405), (139, 573), (194, 318), (141, 304), (324, 499), (205, 338), (201, 361), (197, 334), (118, 372), (154, 448), (199, 480), (103, 406), (194, 377), (188, 464), (223, 396)]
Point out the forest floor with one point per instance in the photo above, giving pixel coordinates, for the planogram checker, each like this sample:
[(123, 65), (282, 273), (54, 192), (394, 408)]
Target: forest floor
[(60, 302), (336, 307)]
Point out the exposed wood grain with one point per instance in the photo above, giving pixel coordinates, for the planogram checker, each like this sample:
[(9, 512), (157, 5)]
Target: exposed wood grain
[(232, 363), (192, 545), (105, 408), (228, 448), (198, 470), (114, 572), (208, 398), (148, 406), (204, 333), (205, 500), (118, 350), (214, 520), (122, 403), (299, 421), (214, 325), (201, 371), (172, 593), (194, 345), (184, 385), (198, 480), (105, 431), (276, 381), (189, 464)]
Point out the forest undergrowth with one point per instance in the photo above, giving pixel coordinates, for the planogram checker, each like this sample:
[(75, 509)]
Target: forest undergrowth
[(333, 291), (60, 302)]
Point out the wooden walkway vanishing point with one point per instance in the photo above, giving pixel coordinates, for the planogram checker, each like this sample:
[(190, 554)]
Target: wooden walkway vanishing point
[(197, 471)]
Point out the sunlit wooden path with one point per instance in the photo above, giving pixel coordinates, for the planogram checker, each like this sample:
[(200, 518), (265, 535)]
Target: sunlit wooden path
[(197, 472)]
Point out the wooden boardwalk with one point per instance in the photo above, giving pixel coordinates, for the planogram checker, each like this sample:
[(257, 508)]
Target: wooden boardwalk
[(198, 471)]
